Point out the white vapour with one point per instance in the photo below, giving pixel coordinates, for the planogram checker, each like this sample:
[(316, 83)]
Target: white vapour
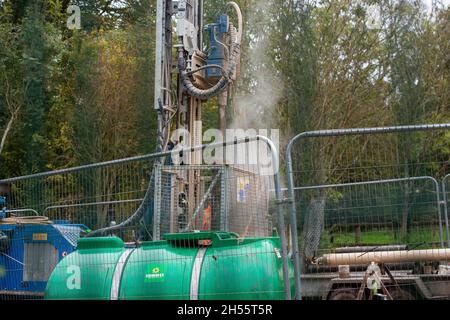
[(260, 88)]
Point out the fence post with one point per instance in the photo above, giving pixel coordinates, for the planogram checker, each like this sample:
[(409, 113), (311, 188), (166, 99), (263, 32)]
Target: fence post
[(280, 216), (157, 203), (445, 202)]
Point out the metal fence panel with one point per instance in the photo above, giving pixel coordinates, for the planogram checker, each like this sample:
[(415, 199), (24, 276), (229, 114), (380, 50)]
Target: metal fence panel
[(210, 226), (358, 194)]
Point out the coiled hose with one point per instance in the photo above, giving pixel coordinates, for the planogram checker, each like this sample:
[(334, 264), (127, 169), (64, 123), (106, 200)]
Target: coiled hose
[(219, 87)]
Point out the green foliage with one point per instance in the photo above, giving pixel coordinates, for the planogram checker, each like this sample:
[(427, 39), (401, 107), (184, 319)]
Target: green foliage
[(63, 80), (37, 45), (87, 95)]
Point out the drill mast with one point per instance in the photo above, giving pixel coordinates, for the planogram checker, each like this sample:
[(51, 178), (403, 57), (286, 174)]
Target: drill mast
[(201, 73)]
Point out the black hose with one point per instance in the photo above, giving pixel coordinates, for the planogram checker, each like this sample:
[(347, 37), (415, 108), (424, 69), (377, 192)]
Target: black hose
[(146, 205), (220, 86)]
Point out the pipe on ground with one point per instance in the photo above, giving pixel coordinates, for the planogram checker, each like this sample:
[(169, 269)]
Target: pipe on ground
[(336, 259)]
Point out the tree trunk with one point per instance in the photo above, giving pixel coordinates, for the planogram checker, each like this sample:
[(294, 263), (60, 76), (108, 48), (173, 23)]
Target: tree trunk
[(7, 130), (106, 194)]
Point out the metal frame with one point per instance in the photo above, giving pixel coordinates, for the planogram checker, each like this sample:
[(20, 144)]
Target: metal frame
[(78, 205), (290, 175), (159, 168), (22, 210)]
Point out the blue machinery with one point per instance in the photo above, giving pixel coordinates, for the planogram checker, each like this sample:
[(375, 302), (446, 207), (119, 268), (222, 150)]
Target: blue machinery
[(30, 248), (217, 55)]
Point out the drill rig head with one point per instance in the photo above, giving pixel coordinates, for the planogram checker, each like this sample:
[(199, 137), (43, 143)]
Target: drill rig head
[(206, 74)]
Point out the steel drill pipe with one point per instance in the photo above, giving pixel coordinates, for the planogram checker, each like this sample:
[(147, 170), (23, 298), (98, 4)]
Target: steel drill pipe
[(336, 259)]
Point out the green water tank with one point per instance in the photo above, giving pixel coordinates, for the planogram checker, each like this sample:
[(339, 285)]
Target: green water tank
[(187, 266)]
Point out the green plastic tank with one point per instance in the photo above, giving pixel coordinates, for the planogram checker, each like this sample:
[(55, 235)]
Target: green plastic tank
[(187, 266)]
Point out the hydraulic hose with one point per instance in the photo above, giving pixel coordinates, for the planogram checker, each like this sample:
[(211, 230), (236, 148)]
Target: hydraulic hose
[(235, 6), (135, 217)]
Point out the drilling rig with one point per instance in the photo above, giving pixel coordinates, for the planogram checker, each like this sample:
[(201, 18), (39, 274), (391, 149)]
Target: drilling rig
[(195, 227), (187, 74)]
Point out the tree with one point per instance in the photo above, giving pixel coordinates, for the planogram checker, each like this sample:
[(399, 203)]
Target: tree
[(11, 95)]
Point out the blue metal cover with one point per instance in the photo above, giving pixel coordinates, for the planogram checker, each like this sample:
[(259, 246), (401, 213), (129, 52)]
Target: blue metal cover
[(32, 252)]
